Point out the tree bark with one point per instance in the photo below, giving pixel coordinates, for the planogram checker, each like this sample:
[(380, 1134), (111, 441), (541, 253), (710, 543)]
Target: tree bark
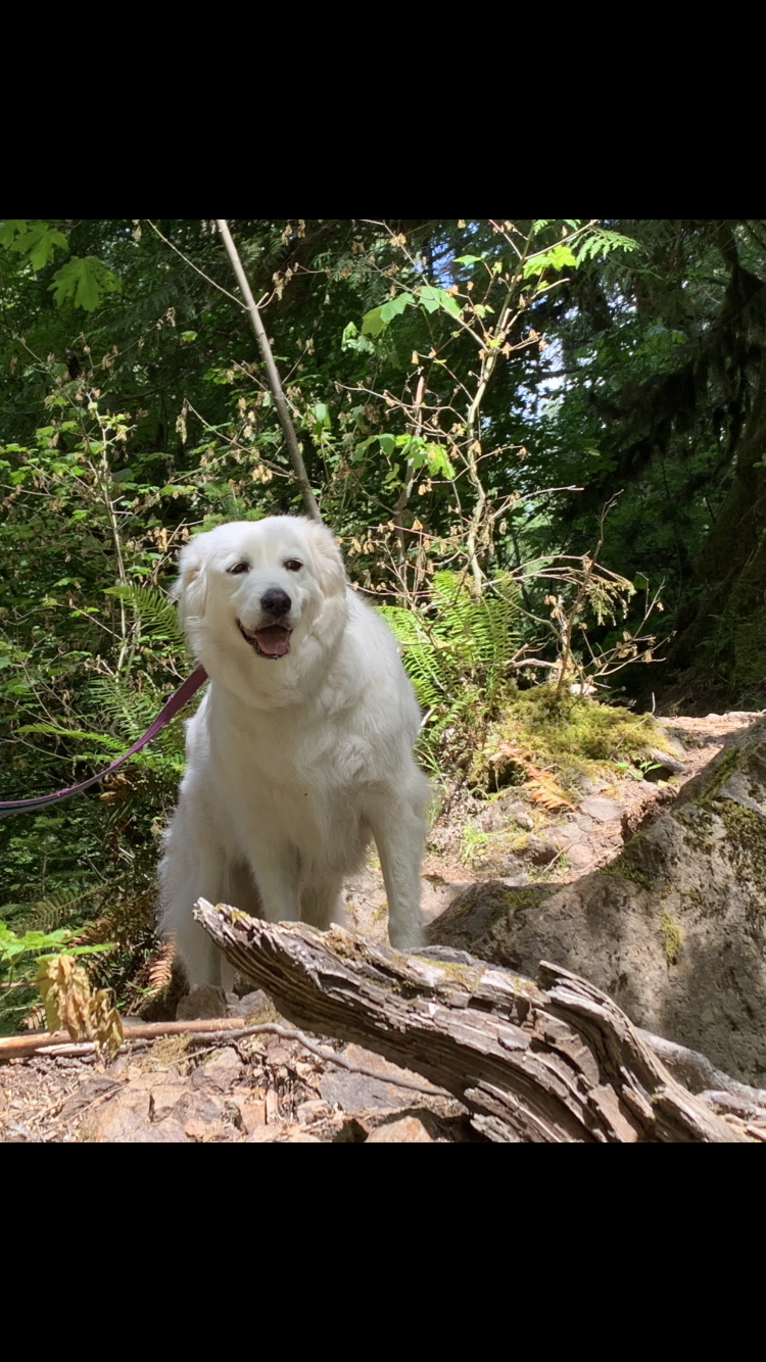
[(555, 1062)]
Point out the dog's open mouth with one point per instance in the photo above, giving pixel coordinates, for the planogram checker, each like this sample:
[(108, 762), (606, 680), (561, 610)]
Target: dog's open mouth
[(272, 641)]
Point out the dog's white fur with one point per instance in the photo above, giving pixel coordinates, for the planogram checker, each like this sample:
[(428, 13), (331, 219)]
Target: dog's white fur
[(294, 762)]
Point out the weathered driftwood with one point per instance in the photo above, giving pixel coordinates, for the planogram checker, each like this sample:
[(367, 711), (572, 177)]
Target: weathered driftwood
[(552, 1062)]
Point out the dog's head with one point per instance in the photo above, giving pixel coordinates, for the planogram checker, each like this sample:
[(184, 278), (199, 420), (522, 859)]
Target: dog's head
[(268, 593)]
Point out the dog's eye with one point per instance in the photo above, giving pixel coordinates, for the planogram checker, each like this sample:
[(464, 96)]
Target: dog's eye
[(238, 567), (293, 565)]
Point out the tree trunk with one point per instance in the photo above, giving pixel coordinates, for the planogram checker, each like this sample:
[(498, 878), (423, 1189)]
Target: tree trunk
[(725, 625), (552, 1063)]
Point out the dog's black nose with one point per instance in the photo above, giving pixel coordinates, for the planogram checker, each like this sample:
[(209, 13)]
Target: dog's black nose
[(276, 601)]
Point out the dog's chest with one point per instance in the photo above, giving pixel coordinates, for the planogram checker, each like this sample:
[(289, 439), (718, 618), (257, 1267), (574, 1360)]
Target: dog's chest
[(291, 790), (289, 760)]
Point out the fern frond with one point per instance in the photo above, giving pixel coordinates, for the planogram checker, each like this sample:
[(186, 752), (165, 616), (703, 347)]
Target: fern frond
[(124, 923), (47, 914), (544, 790), (156, 972), (600, 242), (130, 713), (158, 617), (459, 643), (160, 969), (127, 710), (112, 745), (35, 1018), (405, 625)]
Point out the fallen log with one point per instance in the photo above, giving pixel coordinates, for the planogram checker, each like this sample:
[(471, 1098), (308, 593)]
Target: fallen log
[(553, 1061)]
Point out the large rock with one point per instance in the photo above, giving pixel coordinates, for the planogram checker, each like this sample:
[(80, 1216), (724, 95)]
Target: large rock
[(674, 929)]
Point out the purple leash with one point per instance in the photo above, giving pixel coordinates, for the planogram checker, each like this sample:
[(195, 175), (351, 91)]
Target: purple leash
[(168, 712)]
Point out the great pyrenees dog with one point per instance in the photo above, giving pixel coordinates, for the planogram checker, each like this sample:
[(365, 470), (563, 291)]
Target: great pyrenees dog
[(301, 750)]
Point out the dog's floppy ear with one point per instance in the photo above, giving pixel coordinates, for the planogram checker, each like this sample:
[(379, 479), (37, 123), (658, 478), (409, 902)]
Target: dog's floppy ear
[(190, 588), (327, 559)]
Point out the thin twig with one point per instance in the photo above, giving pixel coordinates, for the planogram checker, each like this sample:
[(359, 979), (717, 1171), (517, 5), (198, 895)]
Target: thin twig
[(191, 263), (275, 383), (234, 445), (47, 1043)]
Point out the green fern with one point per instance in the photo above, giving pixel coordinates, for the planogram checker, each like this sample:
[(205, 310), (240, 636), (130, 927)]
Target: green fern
[(159, 619), (129, 714), (113, 745), (456, 651), (114, 705), (598, 241), (47, 914)]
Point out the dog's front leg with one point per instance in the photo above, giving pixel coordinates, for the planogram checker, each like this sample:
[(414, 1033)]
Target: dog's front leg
[(276, 870), (399, 830), (321, 903)]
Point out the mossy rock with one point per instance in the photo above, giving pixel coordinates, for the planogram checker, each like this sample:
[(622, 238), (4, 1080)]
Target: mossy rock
[(575, 734), (480, 908), (674, 928)]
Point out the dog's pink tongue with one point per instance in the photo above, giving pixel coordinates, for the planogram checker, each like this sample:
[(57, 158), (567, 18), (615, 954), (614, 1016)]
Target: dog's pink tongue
[(275, 641)]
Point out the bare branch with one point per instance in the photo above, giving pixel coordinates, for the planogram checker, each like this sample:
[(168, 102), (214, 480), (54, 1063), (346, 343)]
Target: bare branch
[(272, 373), (223, 1029), (194, 267)]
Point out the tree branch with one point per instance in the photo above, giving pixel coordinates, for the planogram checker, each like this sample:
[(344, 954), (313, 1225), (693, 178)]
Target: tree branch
[(221, 1029), (296, 457)]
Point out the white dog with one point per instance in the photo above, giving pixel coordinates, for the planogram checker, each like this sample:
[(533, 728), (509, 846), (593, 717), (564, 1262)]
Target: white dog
[(301, 750)]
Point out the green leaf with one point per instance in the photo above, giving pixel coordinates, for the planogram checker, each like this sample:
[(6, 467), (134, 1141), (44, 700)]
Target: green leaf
[(352, 340), (433, 298), (429, 298), (394, 307), (9, 228), (85, 281), (38, 241), (557, 258), (371, 323), (363, 446), (438, 462), (375, 321)]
